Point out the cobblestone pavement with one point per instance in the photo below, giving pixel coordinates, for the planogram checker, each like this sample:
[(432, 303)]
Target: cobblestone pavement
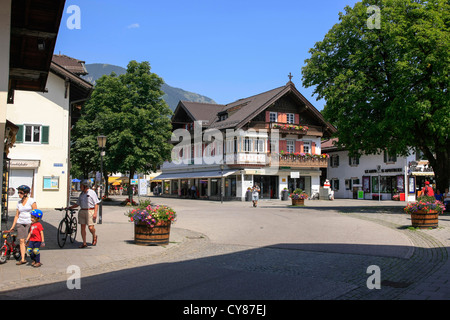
[(417, 266)]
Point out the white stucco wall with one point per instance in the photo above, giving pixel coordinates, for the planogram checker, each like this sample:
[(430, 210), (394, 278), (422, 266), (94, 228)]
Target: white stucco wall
[(366, 162), (47, 109)]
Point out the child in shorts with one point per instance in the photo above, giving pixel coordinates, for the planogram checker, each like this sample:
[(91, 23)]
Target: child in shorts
[(35, 238)]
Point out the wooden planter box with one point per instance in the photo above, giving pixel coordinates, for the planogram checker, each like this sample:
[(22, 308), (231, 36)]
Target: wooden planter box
[(145, 235), (423, 220), (298, 202)]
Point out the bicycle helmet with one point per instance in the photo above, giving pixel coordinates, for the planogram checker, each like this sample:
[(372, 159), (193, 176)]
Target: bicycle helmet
[(24, 188), (37, 213)]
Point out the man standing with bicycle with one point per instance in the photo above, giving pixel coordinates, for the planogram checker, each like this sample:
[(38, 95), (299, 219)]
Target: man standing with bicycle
[(88, 201)]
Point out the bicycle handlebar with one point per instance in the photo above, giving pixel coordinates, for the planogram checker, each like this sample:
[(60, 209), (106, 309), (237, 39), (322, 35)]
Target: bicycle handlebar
[(65, 209)]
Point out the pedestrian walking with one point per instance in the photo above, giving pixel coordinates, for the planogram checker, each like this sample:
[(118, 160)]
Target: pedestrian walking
[(88, 201), (22, 218), (255, 195), (35, 239)]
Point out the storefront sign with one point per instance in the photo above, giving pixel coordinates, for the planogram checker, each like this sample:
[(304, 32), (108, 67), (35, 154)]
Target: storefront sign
[(384, 170), (24, 163)]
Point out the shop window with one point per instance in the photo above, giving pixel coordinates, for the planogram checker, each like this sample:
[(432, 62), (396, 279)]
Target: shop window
[(335, 184)]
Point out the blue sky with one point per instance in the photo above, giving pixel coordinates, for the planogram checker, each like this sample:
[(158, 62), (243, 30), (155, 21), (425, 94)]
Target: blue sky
[(226, 50)]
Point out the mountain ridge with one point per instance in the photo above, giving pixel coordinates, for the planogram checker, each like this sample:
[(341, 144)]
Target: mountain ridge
[(171, 95)]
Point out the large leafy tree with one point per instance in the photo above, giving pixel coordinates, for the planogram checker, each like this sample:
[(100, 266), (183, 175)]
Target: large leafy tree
[(386, 88), (130, 111)]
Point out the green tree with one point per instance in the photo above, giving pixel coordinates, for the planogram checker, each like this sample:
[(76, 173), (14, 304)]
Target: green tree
[(386, 88), (130, 111)]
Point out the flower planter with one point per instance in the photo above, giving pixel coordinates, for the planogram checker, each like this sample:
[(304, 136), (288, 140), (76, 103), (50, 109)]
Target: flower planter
[(424, 220), (298, 202), (145, 235)]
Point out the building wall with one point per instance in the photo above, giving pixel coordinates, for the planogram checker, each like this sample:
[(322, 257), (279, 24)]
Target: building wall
[(49, 161), (367, 167)]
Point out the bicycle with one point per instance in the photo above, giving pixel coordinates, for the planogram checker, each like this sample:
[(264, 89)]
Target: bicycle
[(67, 227), (9, 247)]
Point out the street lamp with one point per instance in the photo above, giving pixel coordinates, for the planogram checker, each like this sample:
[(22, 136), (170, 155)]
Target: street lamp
[(221, 183), (101, 140)]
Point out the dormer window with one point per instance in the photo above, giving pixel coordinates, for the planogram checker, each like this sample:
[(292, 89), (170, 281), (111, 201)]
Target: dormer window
[(223, 116)]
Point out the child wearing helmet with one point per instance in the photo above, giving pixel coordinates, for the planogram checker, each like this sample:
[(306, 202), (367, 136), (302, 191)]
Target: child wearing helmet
[(22, 219), (35, 238)]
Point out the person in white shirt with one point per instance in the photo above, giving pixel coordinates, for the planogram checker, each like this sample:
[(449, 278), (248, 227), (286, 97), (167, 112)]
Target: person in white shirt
[(88, 201), (23, 218)]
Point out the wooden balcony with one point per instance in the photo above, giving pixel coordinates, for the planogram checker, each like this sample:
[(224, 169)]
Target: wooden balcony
[(287, 128), (275, 159), (297, 161)]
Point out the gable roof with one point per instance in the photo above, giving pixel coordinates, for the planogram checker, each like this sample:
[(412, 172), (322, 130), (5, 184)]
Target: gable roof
[(34, 29), (199, 111), (244, 110), (73, 65)]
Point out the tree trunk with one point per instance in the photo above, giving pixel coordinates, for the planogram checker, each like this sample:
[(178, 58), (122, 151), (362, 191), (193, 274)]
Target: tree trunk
[(440, 162), (130, 189), (441, 168)]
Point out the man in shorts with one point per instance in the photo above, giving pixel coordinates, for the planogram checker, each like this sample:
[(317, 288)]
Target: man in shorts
[(88, 201)]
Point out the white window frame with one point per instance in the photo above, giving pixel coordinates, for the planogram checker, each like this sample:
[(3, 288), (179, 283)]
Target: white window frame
[(259, 145), (247, 145), (306, 146), (33, 127), (290, 118), (273, 116), (290, 146)]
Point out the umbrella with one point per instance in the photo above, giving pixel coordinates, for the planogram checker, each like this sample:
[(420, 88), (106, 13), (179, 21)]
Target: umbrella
[(76, 180)]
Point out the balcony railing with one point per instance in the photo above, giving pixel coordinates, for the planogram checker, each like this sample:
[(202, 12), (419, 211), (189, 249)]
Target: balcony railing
[(289, 128), (300, 160)]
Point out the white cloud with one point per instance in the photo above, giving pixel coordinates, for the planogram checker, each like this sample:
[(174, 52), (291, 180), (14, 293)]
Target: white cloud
[(133, 26)]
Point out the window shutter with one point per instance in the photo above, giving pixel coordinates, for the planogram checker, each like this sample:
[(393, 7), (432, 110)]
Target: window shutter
[(19, 135), (267, 116), (313, 148), (282, 145), (45, 134), (296, 118)]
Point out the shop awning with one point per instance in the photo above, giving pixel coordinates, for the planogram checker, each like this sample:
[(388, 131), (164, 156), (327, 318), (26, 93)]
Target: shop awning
[(113, 179), (197, 174), (419, 173)]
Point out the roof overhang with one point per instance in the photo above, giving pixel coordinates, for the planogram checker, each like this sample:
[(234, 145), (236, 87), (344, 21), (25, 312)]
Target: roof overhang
[(34, 29)]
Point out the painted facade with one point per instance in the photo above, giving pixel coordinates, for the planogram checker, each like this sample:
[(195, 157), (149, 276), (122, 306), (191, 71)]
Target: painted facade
[(377, 175), (272, 139)]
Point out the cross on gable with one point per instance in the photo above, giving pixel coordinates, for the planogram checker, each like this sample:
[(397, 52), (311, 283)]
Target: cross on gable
[(290, 76)]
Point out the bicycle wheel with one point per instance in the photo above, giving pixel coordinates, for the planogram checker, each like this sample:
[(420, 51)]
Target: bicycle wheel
[(3, 256), (62, 233), (73, 227), (16, 252)]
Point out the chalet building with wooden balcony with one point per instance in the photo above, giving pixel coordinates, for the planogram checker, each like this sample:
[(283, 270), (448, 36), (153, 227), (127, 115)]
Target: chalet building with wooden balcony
[(272, 139)]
